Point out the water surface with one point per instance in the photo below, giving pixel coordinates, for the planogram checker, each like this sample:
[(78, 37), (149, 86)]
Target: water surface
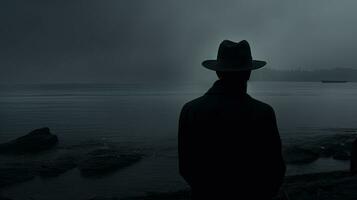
[(146, 116)]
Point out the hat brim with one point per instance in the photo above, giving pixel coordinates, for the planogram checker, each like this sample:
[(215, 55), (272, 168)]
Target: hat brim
[(220, 66)]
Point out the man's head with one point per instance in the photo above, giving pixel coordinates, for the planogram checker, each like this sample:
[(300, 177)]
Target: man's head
[(234, 61), (241, 77)]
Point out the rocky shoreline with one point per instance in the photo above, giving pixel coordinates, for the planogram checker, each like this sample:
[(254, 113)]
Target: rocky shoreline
[(37, 154), (336, 146), (337, 185)]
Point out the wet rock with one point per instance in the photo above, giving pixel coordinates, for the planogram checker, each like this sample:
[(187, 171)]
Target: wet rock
[(103, 161), (103, 198), (57, 166), (297, 155), (338, 185), (176, 195), (35, 141), (4, 198), (311, 148), (15, 173), (353, 164), (330, 145), (342, 155)]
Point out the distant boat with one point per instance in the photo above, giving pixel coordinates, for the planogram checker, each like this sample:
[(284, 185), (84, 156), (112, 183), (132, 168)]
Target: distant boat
[(330, 81)]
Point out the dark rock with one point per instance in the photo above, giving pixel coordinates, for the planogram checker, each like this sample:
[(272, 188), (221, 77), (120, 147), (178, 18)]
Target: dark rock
[(4, 198), (353, 164), (102, 161), (15, 173), (297, 155), (36, 141), (176, 195), (341, 155), (56, 166), (331, 145), (309, 149), (104, 198), (338, 185)]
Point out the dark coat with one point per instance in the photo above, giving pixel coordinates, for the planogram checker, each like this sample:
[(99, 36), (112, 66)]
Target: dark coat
[(229, 145)]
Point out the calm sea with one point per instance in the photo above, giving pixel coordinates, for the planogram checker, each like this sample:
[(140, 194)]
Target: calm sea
[(147, 116)]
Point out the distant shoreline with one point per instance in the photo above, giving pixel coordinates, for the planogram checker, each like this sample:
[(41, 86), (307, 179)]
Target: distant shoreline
[(264, 74), (336, 74)]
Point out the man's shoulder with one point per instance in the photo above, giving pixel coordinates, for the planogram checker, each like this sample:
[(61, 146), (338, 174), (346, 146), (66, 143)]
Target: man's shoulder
[(261, 105), (193, 103), (206, 100)]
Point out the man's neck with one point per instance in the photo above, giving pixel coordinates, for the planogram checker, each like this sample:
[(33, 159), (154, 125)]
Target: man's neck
[(228, 87), (234, 85)]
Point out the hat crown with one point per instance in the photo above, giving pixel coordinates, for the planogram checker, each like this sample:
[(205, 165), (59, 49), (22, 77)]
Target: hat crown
[(239, 54), (233, 56)]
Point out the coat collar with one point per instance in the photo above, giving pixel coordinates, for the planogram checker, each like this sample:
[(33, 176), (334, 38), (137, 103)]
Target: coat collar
[(227, 88)]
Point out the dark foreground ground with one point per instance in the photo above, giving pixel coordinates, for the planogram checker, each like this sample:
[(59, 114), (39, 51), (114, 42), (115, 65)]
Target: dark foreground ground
[(36, 154), (338, 185)]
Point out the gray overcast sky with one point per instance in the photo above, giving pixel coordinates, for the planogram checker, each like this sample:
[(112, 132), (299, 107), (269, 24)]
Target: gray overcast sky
[(132, 40)]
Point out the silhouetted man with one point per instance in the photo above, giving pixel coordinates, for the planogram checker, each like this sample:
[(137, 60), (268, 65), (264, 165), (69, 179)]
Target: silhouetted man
[(229, 144)]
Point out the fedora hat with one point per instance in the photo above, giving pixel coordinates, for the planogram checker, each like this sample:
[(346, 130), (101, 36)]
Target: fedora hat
[(233, 56)]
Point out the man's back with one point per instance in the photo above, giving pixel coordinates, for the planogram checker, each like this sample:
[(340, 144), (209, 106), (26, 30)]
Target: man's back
[(229, 144)]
